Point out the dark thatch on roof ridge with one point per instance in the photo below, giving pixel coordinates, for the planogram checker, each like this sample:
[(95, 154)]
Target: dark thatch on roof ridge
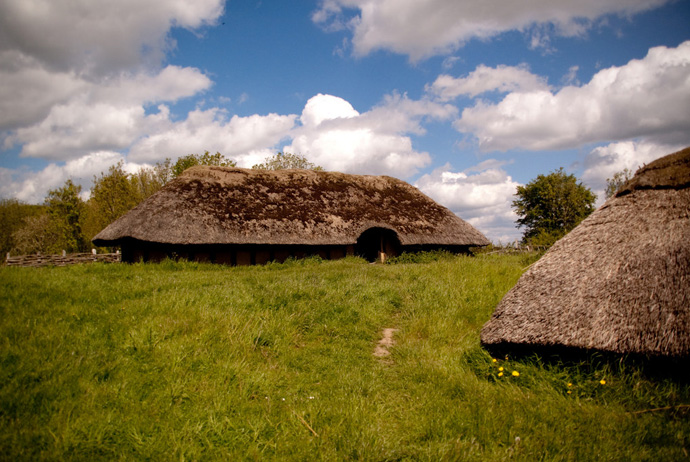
[(619, 282), (669, 172), (220, 205)]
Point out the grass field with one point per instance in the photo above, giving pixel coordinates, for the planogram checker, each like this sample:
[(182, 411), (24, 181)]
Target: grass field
[(184, 361)]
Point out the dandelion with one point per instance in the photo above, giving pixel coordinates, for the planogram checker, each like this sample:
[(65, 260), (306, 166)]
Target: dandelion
[(570, 384), (602, 381), (516, 374), (500, 368), (494, 360), (569, 392), (500, 374)]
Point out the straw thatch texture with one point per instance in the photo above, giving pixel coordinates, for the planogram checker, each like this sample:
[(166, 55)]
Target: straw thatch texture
[(619, 282), (219, 205)]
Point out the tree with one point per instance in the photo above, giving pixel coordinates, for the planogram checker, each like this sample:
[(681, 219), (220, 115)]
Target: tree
[(183, 163), (112, 195), (551, 205), (13, 216), (286, 160), (149, 180), (615, 183), (38, 234), (66, 211)]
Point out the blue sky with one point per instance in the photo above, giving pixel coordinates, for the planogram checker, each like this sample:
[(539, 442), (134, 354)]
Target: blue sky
[(466, 100)]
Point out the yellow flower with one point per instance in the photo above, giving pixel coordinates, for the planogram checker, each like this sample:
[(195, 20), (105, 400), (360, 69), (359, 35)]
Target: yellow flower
[(602, 381), (500, 368), (570, 384), (500, 374), (516, 374), (569, 392), (494, 360)]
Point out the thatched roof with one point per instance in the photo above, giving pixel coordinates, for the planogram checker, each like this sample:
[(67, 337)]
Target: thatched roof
[(619, 282), (219, 205)]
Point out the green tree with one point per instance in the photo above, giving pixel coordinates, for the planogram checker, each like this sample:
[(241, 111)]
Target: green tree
[(615, 183), (286, 160), (67, 212), (38, 234), (551, 205), (112, 195), (13, 216), (183, 163)]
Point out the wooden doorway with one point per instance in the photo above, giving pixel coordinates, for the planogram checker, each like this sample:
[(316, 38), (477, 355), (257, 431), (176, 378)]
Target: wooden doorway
[(378, 244)]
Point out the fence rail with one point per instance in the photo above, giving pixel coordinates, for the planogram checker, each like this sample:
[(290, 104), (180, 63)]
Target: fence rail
[(520, 249), (39, 260)]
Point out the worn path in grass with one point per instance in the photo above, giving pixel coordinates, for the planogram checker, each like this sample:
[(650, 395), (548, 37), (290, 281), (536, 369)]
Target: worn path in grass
[(382, 348)]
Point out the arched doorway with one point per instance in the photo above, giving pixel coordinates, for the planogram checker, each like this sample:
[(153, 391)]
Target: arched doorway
[(377, 244)]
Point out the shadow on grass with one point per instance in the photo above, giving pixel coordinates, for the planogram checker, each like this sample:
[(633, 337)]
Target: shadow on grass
[(589, 360)]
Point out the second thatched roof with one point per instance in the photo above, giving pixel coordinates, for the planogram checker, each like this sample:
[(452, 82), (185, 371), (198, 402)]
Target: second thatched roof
[(619, 282), (219, 205)]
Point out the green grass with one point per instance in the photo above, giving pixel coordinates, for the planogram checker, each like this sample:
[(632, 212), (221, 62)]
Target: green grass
[(185, 361)]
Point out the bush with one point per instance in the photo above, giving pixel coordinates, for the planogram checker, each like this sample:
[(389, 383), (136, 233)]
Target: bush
[(421, 257)]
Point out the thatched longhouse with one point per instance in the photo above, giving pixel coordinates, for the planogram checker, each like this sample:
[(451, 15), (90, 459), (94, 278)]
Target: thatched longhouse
[(241, 216), (619, 282)]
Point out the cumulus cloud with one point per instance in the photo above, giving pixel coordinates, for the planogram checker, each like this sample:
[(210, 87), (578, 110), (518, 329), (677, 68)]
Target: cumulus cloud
[(330, 132), (647, 98), (99, 36), (77, 82), (104, 116), (421, 28), (484, 79), (211, 130), (337, 137), (481, 195), (32, 187)]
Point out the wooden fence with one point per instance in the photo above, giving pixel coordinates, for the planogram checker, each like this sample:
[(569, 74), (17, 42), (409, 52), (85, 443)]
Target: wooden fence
[(519, 249), (61, 260)]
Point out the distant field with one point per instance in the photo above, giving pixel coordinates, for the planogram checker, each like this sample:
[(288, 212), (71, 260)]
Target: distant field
[(185, 361)]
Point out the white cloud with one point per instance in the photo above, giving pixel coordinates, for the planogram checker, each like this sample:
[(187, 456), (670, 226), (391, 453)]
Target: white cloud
[(210, 130), (484, 79), (337, 137), (326, 107), (331, 134), (481, 195), (647, 98), (28, 90), (421, 28), (98, 37), (106, 116), (72, 130), (605, 161), (76, 77), (33, 187), (571, 77)]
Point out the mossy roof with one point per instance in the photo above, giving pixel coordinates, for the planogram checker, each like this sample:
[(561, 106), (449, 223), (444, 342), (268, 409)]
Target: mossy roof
[(220, 205)]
